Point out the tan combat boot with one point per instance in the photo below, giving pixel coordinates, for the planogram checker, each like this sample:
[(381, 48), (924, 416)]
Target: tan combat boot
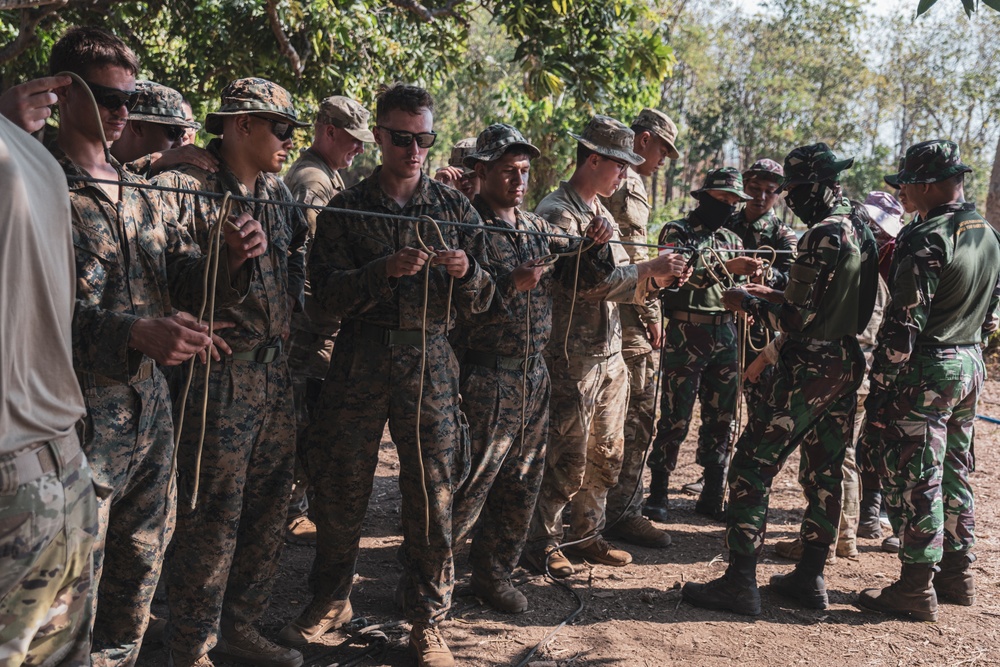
[(913, 595), (638, 530), (558, 565), (792, 550), (244, 644), (499, 594), (301, 531), (315, 620), (429, 647), (599, 551), (175, 659)]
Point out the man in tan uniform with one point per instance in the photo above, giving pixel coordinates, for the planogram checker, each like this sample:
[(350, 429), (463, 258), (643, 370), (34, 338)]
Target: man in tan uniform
[(341, 133), (641, 331)]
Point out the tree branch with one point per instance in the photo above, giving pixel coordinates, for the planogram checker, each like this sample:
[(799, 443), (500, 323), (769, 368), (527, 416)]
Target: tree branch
[(26, 37), (424, 13), (286, 47)]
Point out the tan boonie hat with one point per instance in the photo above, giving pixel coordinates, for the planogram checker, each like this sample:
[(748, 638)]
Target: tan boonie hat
[(659, 124), (253, 96), (160, 104), (496, 140), (348, 115), (610, 138), (459, 151)]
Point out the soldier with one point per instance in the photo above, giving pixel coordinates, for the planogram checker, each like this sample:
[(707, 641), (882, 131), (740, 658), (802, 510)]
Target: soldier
[(925, 382), (47, 505), (367, 269), (340, 135), (152, 139), (589, 376), (134, 265), (227, 547), (456, 174), (642, 332), (812, 401), (700, 346)]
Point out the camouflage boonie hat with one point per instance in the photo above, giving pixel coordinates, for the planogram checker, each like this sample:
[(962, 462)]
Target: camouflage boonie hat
[(892, 180), (726, 179), (253, 96), (160, 104), (464, 147), (496, 140), (348, 115), (610, 138), (659, 124), (812, 164), (765, 168), (930, 162)]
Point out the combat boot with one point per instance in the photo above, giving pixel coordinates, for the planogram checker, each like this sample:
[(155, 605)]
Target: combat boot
[(912, 596), (792, 550), (710, 501), (548, 560), (656, 504), (315, 620), (869, 524), (499, 593), (600, 551), (734, 591), (175, 659), (953, 580), (805, 583), (242, 643), (428, 646), (638, 530)]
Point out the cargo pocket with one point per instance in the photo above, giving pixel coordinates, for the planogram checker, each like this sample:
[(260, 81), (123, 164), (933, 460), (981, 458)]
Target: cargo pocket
[(909, 453), (463, 453)]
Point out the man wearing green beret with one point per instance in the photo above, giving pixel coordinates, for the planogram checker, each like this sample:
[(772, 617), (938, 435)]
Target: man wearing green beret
[(926, 376)]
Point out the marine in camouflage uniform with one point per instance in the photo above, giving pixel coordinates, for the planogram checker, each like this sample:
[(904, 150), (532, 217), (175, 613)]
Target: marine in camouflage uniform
[(155, 124), (380, 355), (700, 345), (925, 382), (812, 400), (507, 435), (654, 139), (227, 548), (314, 179)]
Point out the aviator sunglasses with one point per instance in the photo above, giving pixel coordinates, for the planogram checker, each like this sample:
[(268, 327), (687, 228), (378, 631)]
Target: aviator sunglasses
[(403, 139)]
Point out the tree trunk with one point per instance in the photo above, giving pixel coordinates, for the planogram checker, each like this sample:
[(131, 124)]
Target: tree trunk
[(993, 196)]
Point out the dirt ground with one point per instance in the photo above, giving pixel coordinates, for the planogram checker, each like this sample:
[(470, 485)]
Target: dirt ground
[(634, 615)]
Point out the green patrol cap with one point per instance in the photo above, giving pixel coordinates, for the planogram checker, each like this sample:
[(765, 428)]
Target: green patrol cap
[(253, 96), (765, 168), (610, 138), (348, 115), (930, 162), (659, 124), (496, 140), (461, 149), (726, 179), (812, 164), (160, 104)]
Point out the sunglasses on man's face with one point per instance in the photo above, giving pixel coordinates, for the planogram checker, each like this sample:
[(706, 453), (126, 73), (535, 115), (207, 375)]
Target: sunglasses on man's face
[(405, 139), (280, 129), (113, 99), (174, 132)]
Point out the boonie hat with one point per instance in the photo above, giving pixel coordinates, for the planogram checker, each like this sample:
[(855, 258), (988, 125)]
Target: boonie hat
[(348, 115), (496, 140), (659, 124), (610, 138), (253, 96), (812, 164), (930, 162), (726, 179), (462, 148), (160, 104)]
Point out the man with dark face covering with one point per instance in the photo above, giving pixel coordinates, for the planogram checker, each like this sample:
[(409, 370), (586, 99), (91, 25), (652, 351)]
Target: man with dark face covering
[(699, 346), (812, 400)]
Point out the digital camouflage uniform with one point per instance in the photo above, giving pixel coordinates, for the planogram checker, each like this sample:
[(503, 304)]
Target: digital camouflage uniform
[(928, 370), (226, 550), (378, 355), (128, 433), (161, 105)]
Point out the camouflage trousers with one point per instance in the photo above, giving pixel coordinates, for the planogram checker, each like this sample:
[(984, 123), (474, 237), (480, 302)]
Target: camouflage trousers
[(47, 530), (625, 499), (754, 393), (506, 469), (586, 445), (811, 403), (227, 548), (341, 454), (308, 363), (926, 452), (699, 361), (129, 442)]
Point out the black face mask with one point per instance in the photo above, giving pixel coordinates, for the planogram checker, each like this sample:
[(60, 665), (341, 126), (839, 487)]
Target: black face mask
[(711, 212), (810, 202)]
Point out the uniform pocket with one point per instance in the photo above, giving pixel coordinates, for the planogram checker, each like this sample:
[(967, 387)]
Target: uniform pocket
[(15, 549), (909, 451)]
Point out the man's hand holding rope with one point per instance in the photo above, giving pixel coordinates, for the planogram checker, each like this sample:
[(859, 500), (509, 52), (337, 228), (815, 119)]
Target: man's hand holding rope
[(744, 266), (245, 239)]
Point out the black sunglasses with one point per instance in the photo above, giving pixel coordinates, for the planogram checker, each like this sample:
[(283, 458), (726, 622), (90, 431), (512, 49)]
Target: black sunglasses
[(174, 132), (113, 99), (279, 128), (403, 139)]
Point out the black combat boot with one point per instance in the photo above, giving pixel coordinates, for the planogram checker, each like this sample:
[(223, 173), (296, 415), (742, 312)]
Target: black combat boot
[(655, 506), (869, 524), (953, 580), (710, 501), (805, 583), (913, 595), (734, 591)]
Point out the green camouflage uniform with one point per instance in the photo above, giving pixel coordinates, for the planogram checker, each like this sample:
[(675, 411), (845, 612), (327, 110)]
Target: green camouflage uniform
[(378, 355), (128, 433), (928, 370), (226, 550), (157, 104)]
